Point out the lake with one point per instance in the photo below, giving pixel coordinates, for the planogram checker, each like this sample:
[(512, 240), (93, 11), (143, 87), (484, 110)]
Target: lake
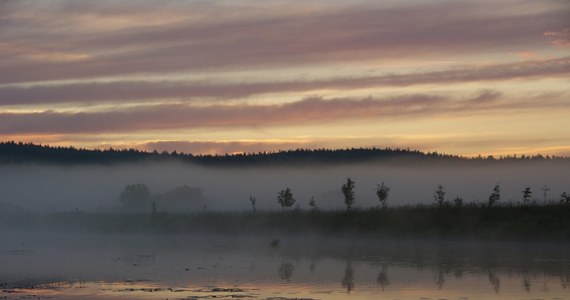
[(92, 266)]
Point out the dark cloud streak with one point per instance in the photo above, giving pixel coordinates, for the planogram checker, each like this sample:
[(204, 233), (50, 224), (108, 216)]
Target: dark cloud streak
[(306, 111), (152, 90), (344, 35), (161, 117)]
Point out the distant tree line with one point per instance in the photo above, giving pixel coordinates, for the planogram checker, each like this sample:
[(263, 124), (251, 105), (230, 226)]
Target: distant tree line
[(138, 198), (495, 197), (286, 199), (13, 152)]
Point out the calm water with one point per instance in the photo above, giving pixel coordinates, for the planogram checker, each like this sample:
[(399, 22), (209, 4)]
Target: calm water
[(67, 266)]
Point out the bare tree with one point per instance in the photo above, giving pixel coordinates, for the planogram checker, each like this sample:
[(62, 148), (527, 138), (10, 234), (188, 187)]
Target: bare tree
[(153, 212), (252, 200), (348, 192)]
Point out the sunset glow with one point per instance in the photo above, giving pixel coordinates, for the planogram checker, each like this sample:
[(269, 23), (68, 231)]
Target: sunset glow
[(458, 77)]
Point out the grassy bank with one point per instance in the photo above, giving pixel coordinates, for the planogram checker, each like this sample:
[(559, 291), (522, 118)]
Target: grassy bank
[(517, 222)]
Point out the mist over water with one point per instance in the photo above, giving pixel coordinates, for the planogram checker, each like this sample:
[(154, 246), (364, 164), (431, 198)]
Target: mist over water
[(48, 188), (152, 262), (91, 266)]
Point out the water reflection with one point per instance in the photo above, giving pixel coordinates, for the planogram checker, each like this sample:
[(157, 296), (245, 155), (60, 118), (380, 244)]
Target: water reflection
[(565, 281), (285, 271), (439, 278), (544, 288), (366, 270), (526, 284), (495, 281), (312, 266), (348, 279), (382, 280)]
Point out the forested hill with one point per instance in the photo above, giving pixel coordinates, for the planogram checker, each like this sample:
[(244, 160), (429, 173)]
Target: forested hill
[(15, 153)]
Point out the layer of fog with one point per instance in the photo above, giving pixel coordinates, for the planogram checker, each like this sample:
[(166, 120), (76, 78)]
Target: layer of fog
[(207, 260), (57, 188)]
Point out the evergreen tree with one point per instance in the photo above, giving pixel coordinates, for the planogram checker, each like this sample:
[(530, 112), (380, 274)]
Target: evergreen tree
[(495, 196)]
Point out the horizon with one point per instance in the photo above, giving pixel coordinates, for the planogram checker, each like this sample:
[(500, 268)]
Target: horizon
[(467, 78), (279, 151), (185, 149)]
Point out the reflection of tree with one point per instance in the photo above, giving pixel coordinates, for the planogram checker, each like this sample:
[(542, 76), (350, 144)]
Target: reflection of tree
[(252, 267), (458, 273), (544, 288), (495, 281), (348, 279), (565, 281), (312, 266), (526, 284), (440, 279), (285, 271), (382, 280)]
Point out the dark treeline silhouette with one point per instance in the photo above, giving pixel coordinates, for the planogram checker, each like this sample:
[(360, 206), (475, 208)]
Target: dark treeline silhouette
[(17, 152), (12, 152)]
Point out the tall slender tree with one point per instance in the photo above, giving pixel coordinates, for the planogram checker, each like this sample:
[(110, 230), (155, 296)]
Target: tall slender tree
[(439, 196), (495, 196), (252, 200), (348, 192)]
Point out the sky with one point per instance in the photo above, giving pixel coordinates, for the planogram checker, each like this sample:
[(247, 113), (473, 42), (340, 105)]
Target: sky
[(458, 77)]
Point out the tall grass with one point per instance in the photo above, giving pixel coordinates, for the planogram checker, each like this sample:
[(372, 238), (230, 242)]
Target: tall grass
[(509, 220)]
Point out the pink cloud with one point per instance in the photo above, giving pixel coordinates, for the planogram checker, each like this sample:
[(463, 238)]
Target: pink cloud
[(559, 38), (152, 90), (357, 33), (306, 111)]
